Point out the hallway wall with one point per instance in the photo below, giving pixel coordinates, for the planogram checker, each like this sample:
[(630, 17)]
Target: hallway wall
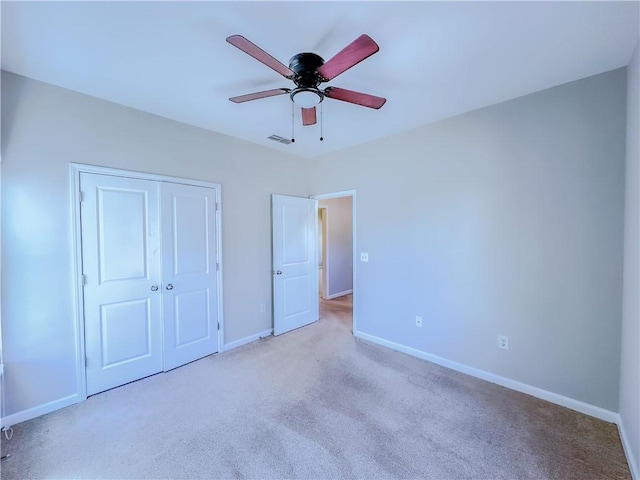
[(339, 245)]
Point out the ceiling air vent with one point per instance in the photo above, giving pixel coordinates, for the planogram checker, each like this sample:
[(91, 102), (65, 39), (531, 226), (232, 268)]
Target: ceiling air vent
[(278, 138)]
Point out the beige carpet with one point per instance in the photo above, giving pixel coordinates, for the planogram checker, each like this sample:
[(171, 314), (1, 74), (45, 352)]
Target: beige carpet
[(314, 403)]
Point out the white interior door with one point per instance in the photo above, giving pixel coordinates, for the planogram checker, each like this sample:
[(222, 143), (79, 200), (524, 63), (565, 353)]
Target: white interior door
[(121, 268), (189, 273), (295, 263)]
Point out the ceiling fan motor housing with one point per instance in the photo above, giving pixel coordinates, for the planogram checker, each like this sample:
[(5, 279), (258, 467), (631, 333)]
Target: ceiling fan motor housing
[(305, 66)]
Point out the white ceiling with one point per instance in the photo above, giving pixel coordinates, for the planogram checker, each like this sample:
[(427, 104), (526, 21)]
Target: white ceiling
[(436, 59)]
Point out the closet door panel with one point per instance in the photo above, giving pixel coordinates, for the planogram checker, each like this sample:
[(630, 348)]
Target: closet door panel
[(121, 268), (189, 273)]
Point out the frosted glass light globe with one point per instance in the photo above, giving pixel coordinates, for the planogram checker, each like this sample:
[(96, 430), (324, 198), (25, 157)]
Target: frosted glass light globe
[(306, 98)]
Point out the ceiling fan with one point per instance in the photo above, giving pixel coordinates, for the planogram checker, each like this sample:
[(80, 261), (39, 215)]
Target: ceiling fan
[(308, 71)]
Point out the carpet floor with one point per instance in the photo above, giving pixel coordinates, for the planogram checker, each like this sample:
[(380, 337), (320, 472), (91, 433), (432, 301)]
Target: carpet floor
[(315, 403)]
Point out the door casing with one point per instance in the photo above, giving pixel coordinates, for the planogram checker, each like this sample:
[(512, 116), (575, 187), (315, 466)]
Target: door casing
[(322, 246), (75, 169)]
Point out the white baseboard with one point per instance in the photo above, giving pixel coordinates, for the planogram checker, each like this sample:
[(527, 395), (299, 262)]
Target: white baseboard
[(577, 405), (339, 294), (567, 402), (34, 412), (245, 340), (632, 460)]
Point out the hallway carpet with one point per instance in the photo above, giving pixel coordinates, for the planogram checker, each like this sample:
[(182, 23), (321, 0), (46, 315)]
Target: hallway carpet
[(315, 403)]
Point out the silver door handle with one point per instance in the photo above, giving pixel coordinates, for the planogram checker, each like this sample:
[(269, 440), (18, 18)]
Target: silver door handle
[(169, 286), (154, 288), (278, 272)]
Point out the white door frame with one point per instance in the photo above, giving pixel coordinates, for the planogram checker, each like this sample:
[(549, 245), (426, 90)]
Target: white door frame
[(352, 194), (322, 237), (75, 169)]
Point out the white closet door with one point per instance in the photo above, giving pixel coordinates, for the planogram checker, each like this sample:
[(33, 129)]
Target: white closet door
[(189, 273), (121, 267)]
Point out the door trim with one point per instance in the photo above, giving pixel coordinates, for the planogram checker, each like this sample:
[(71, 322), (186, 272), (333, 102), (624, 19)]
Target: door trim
[(352, 194), (75, 169), (322, 215)]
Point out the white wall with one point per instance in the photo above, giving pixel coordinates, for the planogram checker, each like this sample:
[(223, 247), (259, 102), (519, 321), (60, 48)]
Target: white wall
[(44, 129), (339, 245), (503, 221), (630, 358)]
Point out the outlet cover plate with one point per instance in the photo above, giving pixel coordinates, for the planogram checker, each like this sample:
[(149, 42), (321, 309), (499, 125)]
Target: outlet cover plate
[(503, 342)]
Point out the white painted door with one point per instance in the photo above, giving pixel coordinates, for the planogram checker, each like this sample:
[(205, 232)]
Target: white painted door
[(121, 268), (189, 273), (295, 263)]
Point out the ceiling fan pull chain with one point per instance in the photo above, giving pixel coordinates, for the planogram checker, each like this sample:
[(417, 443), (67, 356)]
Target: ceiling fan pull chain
[(292, 127), (321, 116)]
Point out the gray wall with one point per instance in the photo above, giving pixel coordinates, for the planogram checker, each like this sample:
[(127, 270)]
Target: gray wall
[(503, 221), (339, 252), (44, 129), (630, 364)]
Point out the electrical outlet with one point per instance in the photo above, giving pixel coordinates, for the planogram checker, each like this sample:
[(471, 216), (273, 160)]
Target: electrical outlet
[(263, 307), (418, 321), (364, 257), (503, 342)]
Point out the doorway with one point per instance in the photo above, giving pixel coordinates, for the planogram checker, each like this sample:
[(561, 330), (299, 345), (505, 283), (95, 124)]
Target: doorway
[(336, 252)]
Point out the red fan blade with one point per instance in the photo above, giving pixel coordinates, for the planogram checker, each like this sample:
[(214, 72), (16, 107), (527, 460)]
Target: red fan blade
[(309, 116), (257, 95), (361, 48), (256, 52), (358, 98)]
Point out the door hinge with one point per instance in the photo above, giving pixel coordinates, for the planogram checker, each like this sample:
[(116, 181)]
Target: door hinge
[(217, 266), (83, 279), (218, 325), (81, 196), (217, 206), (86, 362)]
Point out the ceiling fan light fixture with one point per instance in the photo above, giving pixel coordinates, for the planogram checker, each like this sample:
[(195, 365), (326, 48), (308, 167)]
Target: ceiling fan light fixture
[(306, 97)]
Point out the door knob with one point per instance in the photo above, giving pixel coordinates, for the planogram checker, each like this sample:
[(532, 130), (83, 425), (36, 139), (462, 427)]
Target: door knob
[(154, 288), (278, 272), (169, 286)]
